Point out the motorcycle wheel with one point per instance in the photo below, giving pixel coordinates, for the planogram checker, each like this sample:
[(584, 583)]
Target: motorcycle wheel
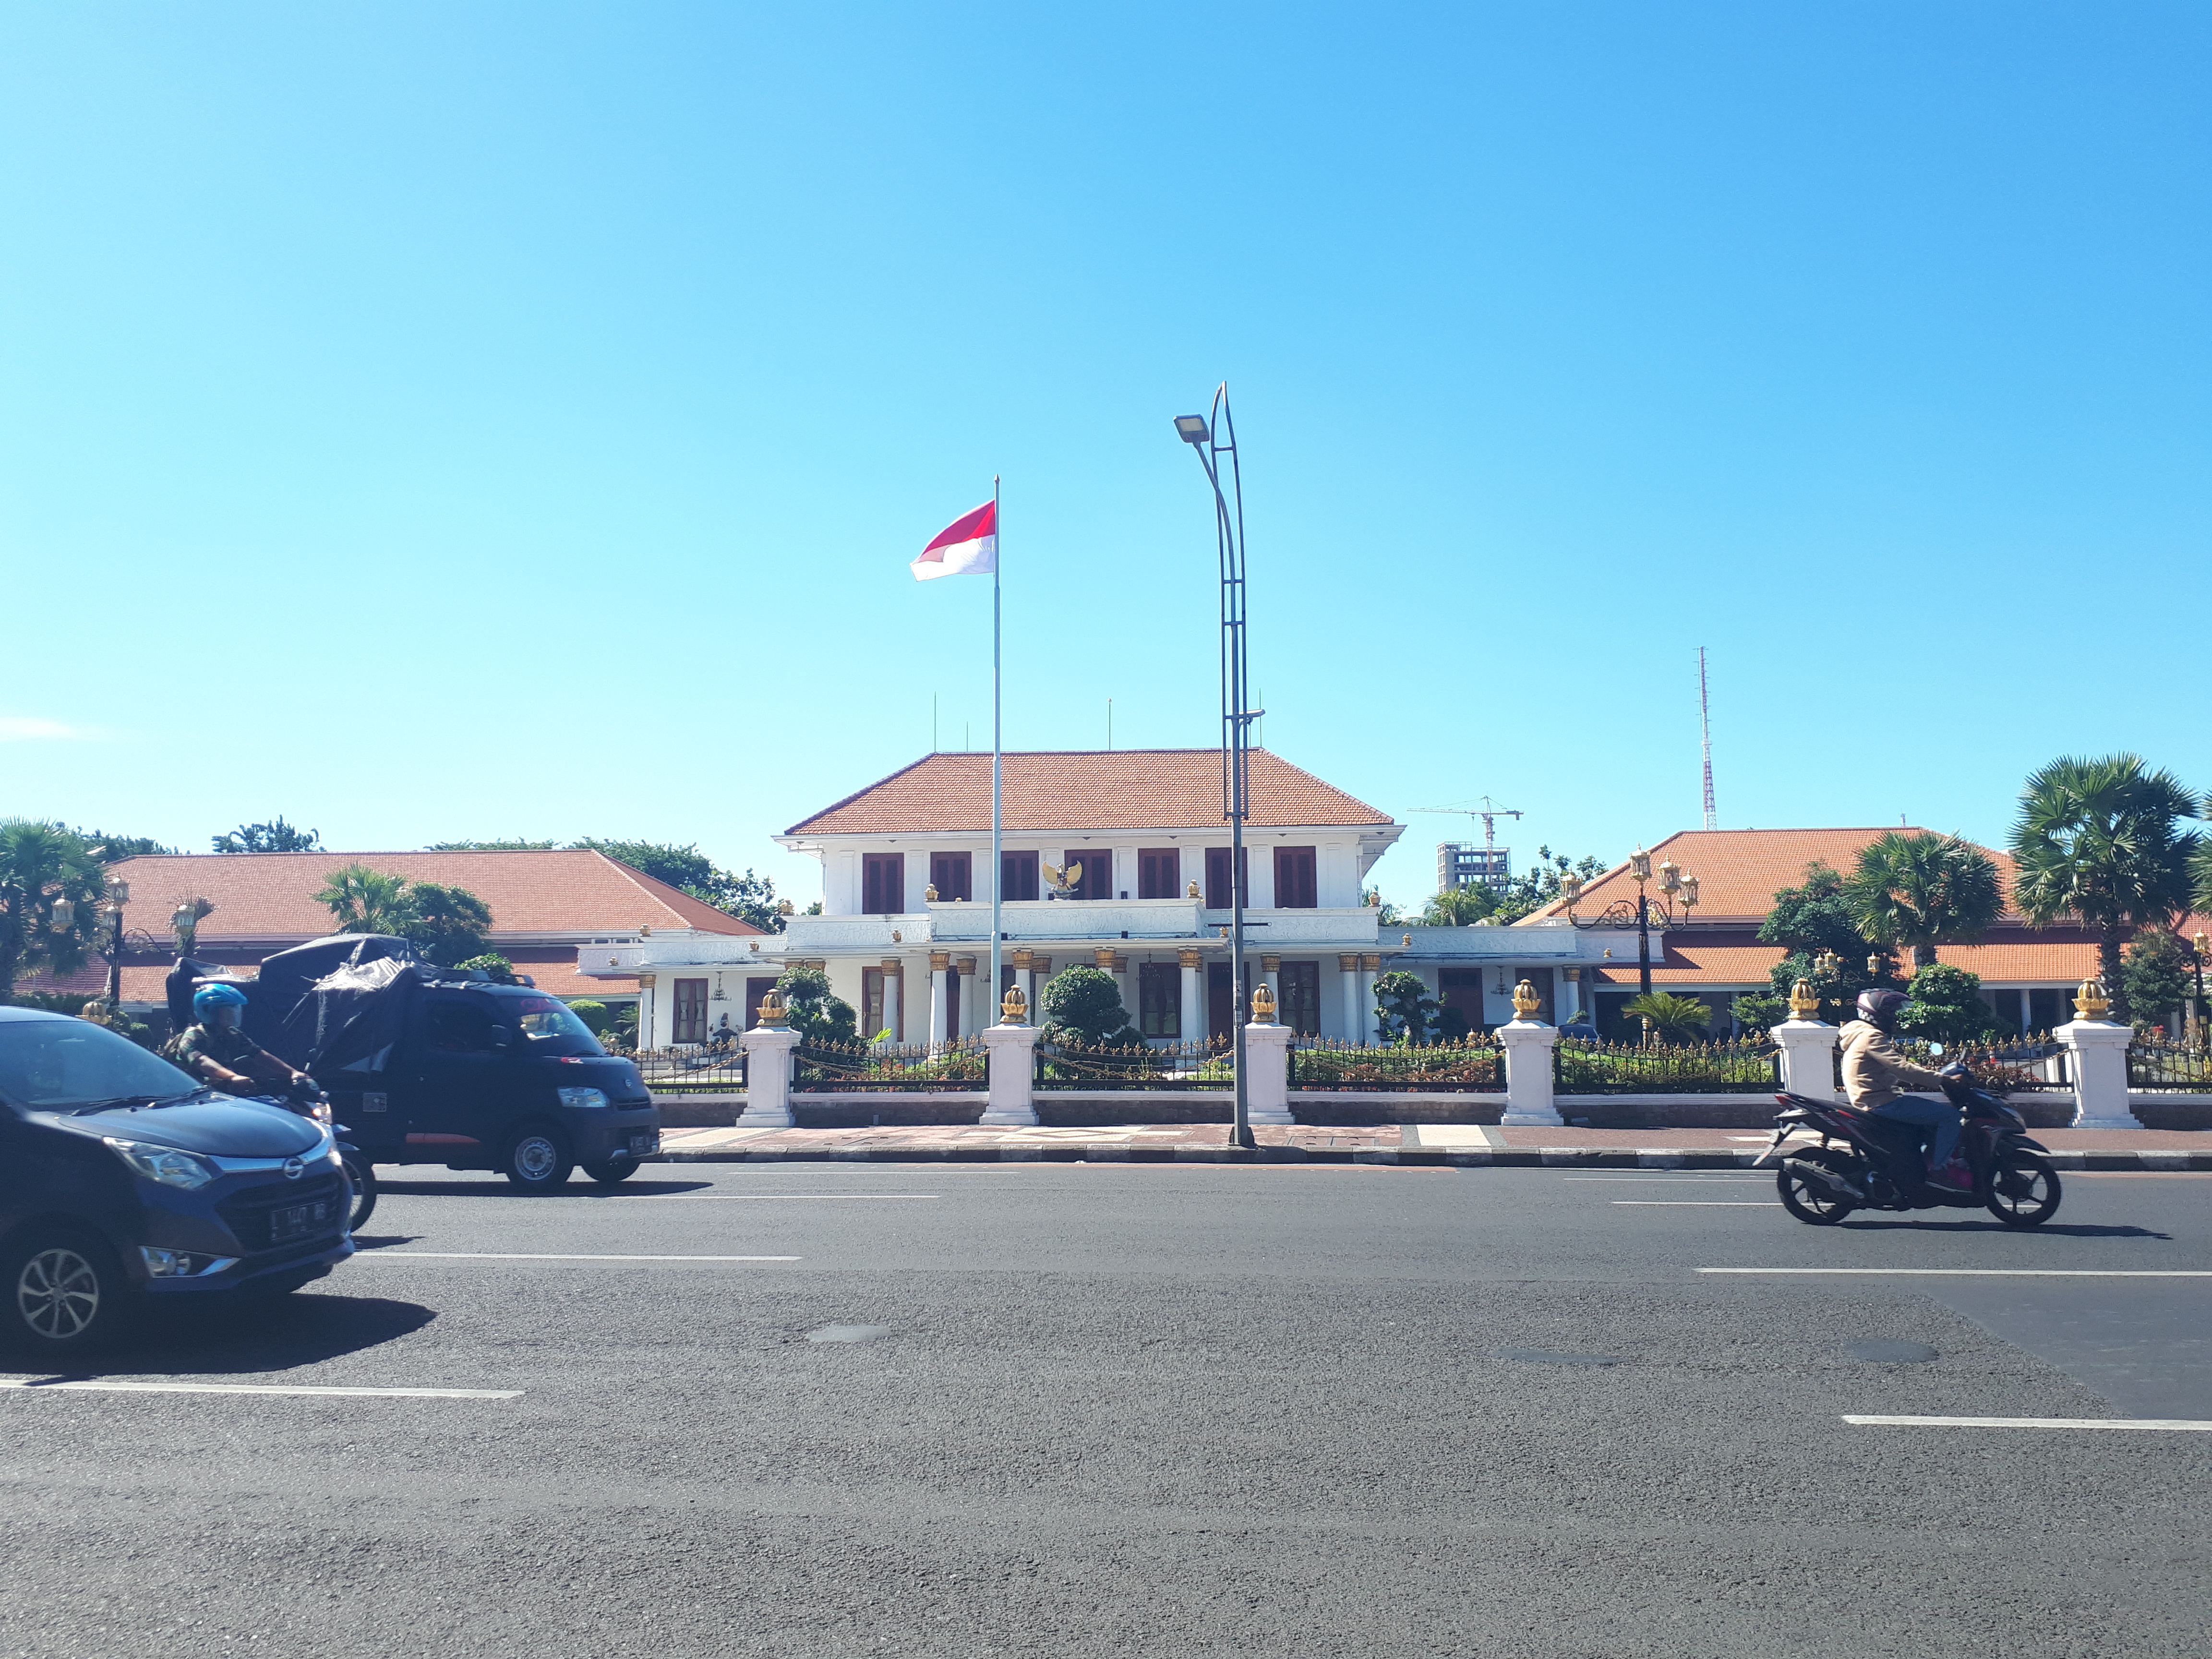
[(1808, 1200), (2024, 1190), (362, 1176)]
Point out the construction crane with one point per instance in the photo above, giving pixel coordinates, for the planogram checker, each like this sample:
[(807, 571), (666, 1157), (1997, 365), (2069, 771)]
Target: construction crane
[(1458, 864)]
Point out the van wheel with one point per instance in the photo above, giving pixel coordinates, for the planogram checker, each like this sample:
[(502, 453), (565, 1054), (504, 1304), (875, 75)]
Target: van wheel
[(65, 1293), (537, 1161), (621, 1167)]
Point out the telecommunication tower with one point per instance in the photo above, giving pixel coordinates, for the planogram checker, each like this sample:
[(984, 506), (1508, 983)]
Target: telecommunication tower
[(1706, 725)]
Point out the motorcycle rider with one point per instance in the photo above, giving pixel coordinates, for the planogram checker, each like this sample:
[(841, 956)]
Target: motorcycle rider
[(215, 1050), (1875, 1073)]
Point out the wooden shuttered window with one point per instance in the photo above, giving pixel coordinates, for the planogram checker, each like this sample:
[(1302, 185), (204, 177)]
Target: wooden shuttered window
[(690, 1010), (951, 875), (1018, 875), (1159, 873), (1295, 888), (1300, 1003), (1217, 895), (1097, 869), (1159, 999), (882, 884)]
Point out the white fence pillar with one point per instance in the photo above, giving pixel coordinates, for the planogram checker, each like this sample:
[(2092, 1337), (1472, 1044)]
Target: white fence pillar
[(1527, 1042), (2097, 1048), (1011, 1047), (1267, 1072), (767, 1077), (1808, 1058)]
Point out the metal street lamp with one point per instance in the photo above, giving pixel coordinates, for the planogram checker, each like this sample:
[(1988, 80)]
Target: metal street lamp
[(1678, 889), (2196, 1005), (119, 895), (1211, 440)]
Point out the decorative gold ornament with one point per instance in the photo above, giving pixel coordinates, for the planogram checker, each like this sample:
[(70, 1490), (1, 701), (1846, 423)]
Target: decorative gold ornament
[(1263, 1004), (1670, 877), (1190, 890), (1525, 1002), (772, 1012), (1803, 1005), (1570, 889), (929, 894), (1874, 965), (898, 937), (1014, 1007), (2090, 1002), (785, 908), (1406, 941), (1640, 865)]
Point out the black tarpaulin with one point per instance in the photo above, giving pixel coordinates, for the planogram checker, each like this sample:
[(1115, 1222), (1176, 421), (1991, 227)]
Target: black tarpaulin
[(348, 1016), (287, 976)]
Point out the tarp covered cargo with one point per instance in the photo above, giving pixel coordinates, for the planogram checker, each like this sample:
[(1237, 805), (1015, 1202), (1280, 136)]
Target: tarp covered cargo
[(351, 1016), (288, 977)]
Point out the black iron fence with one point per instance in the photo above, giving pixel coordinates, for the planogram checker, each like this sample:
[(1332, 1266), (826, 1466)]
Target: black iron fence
[(870, 1067), (1745, 1066), (2022, 1065), (1473, 1064), (695, 1069), (1168, 1066), (2186, 1068)]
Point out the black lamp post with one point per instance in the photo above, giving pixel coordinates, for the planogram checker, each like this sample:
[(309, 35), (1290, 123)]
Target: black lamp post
[(2197, 1007), (1211, 440), (1675, 887), (119, 895)]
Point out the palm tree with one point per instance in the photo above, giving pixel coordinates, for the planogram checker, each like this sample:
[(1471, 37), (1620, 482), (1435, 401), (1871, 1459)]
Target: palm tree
[(41, 866), (1458, 907), (1669, 1017), (366, 901), (1920, 891), (2099, 839)]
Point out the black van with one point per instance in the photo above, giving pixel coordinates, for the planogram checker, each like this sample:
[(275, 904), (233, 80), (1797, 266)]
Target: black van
[(432, 1064), (123, 1180)]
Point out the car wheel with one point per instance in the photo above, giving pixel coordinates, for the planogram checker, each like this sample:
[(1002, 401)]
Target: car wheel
[(621, 1167), (538, 1160), (65, 1294)]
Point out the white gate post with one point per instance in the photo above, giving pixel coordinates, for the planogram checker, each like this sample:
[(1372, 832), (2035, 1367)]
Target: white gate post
[(2097, 1047), (1809, 1047), (768, 1069), (1267, 1063), (1527, 1042), (1011, 1047)]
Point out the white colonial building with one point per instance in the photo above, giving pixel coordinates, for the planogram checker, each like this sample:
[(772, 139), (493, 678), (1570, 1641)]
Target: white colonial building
[(1142, 853)]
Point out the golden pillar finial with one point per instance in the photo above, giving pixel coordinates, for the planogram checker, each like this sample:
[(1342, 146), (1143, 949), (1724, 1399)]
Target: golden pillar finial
[(1263, 1004), (1803, 1005), (1014, 1007), (1525, 1002), (2090, 1002), (773, 1013)]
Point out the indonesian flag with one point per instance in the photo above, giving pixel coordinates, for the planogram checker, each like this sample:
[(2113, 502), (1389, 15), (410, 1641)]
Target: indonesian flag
[(968, 546)]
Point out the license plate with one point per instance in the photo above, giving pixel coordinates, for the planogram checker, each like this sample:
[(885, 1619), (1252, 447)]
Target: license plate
[(299, 1220), (641, 1146)]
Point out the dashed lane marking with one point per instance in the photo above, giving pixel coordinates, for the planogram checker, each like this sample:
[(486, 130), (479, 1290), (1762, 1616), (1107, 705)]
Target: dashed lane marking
[(519, 1255), (89, 1386), (1701, 1203), (2186, 1423), (1987, 1273)]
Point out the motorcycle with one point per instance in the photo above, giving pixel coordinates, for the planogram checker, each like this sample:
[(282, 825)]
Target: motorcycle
[(310, 1101), (1867, 1162)]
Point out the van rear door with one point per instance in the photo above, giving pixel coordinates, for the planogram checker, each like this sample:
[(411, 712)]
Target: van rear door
[(463, 1080)]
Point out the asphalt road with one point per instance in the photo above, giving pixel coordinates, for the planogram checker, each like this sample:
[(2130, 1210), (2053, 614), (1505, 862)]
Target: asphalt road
[(1148, 1410)]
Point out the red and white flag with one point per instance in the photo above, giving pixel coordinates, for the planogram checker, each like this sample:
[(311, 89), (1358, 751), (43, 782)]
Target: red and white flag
[(968, 546)]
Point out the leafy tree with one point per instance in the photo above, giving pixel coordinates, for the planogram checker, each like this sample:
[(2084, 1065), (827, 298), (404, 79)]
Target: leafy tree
[(1405, 1013), (448, 923), (2159, 974), (490, 847), (1946, 1007), (617, 1029), (1671, 1018), (50, 891), (1814, 918), (750, 897), (2100, 840), (277, 837), (2200, 869), (1459, 907), (1538, 886), (1084, 1004), (366, 901), (1387, 913), (1915, 893), (1759, 1011), (816, 1015), (112, 849)]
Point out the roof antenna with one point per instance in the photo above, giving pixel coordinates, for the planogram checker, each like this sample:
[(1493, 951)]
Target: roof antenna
[(1706, 725)]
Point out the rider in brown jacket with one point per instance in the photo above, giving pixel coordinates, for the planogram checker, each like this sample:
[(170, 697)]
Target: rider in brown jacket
[(1875, 1072)]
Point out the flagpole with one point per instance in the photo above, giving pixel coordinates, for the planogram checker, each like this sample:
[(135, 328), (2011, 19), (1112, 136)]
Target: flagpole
[(997, 860)]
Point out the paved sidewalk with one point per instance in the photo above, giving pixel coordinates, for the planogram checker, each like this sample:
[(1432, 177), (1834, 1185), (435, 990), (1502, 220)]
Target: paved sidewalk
[(1467, 1145)]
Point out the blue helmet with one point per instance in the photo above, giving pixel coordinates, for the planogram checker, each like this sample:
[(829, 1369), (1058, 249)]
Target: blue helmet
[(209, 998)]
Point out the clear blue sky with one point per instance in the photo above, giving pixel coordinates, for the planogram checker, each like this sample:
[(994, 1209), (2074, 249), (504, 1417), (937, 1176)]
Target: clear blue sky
[(511, 420)]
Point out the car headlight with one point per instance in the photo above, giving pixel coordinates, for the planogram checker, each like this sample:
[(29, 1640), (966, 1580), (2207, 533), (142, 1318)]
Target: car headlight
[(181, 1264), (582, 1097), (166, 1164)]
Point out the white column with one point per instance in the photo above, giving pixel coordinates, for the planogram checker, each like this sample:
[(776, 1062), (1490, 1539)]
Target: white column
[(1572, 996), (1347, 972), (971, 1019), (1369, 965), (1528, 1043), (767, 1077), (1271, 970), (2097, 1051), (1808, 1058), (892, 983), (1012, 1051), (1267, 1073), (1194, 993), (939, 965)]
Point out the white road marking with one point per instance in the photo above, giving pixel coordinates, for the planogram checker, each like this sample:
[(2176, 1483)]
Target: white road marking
[(1715, 1179), (1991, 1272), (766, 1198), (504, 1255), (2182, 1423), (1703, 1203), (261, 1388)]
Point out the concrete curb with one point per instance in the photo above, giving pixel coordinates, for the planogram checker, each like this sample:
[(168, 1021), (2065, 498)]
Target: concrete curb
[(1524, 1157)]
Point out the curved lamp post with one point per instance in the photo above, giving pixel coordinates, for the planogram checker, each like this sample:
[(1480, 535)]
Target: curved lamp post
[(1675, 890)]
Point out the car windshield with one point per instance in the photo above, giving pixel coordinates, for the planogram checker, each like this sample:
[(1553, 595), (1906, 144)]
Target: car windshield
[(61, 1064), (554, 1029)]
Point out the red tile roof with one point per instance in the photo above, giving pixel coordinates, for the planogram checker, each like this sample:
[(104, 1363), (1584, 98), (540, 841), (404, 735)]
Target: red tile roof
[(272, 895), (1740, 870), (1085, 789)]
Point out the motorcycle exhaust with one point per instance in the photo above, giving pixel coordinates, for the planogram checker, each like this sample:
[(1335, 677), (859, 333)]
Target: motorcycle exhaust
[(1827, 1177)]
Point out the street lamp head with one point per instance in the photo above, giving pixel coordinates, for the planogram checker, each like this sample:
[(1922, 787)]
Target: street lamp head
[(1689, 891), (1570, 888), (119, 890), (1639, 866), (1670, 877), (1192, 429)]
